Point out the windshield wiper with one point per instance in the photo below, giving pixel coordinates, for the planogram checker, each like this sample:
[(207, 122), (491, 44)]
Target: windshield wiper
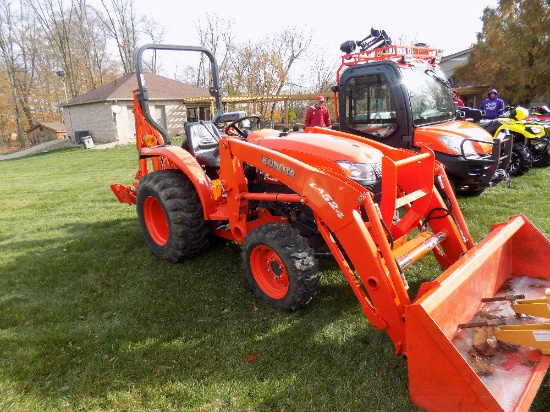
[(432, 73)]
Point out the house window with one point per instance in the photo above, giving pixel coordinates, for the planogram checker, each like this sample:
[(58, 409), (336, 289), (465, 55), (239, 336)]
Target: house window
[(192, 114), (205, 113), (160, 116)]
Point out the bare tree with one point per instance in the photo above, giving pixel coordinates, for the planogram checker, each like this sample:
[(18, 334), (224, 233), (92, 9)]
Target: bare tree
[(78, 42), (56, 21), (9, 51), (217, 35), (92, 41), (123, 26), (155, 32), (269, 62)]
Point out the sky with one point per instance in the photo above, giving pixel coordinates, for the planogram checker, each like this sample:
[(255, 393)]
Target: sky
[(447, 25)]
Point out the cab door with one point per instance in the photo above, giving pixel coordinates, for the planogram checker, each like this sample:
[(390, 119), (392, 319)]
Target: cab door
[(372, 104)]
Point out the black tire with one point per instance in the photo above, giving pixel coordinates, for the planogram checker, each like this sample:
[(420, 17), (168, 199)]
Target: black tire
[(170, 215), (521, 161), (280, 266)]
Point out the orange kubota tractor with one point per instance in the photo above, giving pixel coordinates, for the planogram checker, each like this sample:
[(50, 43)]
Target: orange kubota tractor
[(475, 337), (399, 96)]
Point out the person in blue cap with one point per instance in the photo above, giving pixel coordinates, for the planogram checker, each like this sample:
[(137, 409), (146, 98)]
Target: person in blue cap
[(493, 106)]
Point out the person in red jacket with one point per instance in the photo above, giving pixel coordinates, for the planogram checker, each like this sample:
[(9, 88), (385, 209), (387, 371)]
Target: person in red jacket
[(457, 99), (318, 114)]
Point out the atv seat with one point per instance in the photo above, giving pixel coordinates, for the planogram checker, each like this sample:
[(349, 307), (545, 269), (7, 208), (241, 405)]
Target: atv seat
[(490, 125), (202, 142)]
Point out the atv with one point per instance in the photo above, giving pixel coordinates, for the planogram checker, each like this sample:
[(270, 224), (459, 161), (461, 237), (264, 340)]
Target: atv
[(541, 115), (531, 142)]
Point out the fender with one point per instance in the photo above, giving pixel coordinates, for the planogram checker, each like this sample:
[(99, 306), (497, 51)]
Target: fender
[(181, 159), (429, 136), (522, 129)]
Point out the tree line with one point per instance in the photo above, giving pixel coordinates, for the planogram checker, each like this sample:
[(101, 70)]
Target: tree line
[(54, 50)]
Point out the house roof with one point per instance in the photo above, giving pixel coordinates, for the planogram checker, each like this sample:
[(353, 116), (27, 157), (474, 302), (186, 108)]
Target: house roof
[(159, 87), (55, 126), (450, 62), (457, 55)]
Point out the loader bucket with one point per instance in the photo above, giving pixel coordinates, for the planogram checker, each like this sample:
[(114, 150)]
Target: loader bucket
[(447, 372)]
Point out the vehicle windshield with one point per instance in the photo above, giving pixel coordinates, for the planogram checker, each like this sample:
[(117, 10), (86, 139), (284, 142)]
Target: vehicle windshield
[(430, 94)]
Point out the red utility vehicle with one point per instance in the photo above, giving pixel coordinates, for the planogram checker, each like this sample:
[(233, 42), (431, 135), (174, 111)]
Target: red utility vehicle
[(399, 96)]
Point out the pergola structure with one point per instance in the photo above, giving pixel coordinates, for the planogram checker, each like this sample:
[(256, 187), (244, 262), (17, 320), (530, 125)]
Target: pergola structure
[(259, 99)]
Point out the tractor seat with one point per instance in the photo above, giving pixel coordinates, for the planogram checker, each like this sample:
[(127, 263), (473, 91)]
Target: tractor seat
[(202, 142)]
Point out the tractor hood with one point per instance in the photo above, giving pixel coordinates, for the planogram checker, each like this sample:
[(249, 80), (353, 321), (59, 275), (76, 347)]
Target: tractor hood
[(317, 149), (447, 137)]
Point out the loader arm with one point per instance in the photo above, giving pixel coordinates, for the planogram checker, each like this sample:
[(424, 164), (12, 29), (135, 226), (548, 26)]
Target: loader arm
[(377, 278)]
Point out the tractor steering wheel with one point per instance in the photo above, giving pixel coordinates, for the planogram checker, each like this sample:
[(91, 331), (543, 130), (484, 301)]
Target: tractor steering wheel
[(233, 130)]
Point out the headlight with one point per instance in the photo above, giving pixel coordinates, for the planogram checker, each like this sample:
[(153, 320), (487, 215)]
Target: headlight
[(538, 144), (534, 129), (454, 143), (364, 174)]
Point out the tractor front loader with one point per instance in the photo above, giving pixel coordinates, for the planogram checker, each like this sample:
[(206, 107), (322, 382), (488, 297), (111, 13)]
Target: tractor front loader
[(377, 210)]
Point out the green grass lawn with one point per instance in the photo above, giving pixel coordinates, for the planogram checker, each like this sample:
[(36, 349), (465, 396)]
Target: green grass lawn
[(91, 321)]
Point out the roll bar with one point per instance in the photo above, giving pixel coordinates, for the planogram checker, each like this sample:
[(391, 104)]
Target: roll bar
[(142, 93)]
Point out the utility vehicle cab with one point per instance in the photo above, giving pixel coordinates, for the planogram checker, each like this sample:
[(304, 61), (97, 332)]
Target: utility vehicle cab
[(398, 95)]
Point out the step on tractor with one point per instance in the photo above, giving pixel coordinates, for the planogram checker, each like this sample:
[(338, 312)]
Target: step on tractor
[(476, 337), (399, 96)]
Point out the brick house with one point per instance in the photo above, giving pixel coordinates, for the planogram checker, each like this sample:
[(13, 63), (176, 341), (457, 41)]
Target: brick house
[(106, 115), (46, 132)]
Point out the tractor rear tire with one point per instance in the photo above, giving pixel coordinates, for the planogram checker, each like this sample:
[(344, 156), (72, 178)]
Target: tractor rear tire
[(521, 161), (280, 266), (170, 215)]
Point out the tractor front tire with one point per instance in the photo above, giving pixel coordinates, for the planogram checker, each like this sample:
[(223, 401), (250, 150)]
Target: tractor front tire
[(521, 160), (171, 216), (280, 266)]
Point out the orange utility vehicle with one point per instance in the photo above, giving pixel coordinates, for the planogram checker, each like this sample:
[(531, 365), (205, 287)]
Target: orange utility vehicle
[(399, 96), (378, 210)]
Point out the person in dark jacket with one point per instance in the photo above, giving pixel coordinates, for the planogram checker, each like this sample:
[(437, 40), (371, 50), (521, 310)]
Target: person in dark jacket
[(318, 114), (493, 106)]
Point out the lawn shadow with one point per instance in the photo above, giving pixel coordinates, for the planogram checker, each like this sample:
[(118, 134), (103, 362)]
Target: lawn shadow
[(94, 315), (98, 322)]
